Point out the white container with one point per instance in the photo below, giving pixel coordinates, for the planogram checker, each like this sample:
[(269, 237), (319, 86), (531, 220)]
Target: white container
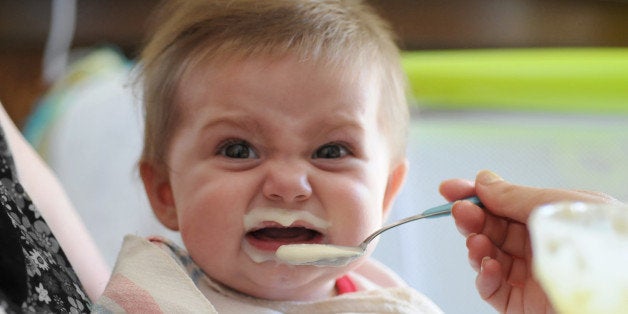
[(580, 256)]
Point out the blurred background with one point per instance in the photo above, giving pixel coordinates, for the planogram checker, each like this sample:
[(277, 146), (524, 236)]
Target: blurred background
[(420, 24), (534, 90)]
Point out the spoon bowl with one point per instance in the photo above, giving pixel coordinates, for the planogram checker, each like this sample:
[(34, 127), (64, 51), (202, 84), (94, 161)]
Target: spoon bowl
[(325, 255)]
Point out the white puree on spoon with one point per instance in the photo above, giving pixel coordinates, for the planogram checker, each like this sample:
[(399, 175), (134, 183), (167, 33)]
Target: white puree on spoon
[(298, 254), (284, 217)]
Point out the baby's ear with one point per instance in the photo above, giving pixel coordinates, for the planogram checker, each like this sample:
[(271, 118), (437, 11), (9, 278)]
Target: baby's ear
[(396, 178), (159, 192)]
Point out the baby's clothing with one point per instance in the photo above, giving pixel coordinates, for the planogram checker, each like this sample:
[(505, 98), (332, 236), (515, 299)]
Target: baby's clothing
[(156, 275)]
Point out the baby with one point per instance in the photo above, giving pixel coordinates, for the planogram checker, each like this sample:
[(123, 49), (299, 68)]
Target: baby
[(267, 123)]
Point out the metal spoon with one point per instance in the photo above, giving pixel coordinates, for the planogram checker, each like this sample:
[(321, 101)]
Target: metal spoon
[(336, 255)]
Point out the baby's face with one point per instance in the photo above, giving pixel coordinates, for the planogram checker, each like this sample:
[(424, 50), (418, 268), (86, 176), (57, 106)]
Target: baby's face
[(272, 152)]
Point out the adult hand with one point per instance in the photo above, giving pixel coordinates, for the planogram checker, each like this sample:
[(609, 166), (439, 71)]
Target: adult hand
[(498, 240)]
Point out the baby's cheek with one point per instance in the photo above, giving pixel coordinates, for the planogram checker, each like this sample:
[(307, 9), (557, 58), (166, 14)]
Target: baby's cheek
[(210, 250), (367, 205), (356, 227), (205, 232)]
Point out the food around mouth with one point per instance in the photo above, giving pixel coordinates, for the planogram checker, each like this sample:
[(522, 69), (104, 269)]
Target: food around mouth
[(271, 239), (267, 229)]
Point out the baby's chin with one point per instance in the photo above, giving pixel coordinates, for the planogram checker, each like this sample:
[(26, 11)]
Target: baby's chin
[(282, 282)]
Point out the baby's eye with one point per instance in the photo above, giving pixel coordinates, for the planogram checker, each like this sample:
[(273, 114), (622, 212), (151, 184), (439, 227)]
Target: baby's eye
[(237, 149), (332, 150)]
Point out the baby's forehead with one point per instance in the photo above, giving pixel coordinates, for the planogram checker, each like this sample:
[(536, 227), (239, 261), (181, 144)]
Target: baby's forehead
[(349, 72), (221, 67), (256, 87), (239, 71), (340, 62)]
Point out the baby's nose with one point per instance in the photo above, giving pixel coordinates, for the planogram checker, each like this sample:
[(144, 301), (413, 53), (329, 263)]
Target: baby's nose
[(287, 182)]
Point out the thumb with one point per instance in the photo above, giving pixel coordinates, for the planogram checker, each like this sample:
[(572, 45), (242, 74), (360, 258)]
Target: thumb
[(516, 202)]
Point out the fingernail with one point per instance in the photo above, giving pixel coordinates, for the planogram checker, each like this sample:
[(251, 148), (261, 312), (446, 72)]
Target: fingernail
[(488, 177), (469, 237), (484, 260)]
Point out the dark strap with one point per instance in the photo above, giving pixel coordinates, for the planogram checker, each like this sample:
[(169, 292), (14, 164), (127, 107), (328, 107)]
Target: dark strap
[(12, 265), (35, 274)]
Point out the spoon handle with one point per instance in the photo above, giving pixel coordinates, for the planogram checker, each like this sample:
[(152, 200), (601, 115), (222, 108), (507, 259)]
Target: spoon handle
[(445, 209), (437, 211)]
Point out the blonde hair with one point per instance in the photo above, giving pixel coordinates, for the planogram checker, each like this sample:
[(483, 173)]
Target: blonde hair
[(337, 32)]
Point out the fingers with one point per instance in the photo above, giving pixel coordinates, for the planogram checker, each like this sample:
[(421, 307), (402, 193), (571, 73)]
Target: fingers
[(514, 292), (504, 294), (503, 198), (479, 247), (456, 189), (498, 242), (491, 285), (507, 234), (498, 272), (468, 217), (516, 241)]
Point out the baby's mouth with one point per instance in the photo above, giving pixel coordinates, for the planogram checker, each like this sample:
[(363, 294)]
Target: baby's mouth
[(271, 238), (266, 229)]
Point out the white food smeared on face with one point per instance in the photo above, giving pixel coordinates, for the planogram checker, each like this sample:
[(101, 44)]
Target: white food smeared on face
[(260, 218), (284, 217), (258, 256)]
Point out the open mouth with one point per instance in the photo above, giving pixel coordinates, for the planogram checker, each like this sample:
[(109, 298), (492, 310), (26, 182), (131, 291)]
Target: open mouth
[(268, 228), (271, 238)]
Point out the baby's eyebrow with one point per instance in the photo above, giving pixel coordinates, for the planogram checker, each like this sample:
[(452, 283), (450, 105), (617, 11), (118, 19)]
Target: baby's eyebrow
[(235, 121), (339, 122), (343, 123)]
